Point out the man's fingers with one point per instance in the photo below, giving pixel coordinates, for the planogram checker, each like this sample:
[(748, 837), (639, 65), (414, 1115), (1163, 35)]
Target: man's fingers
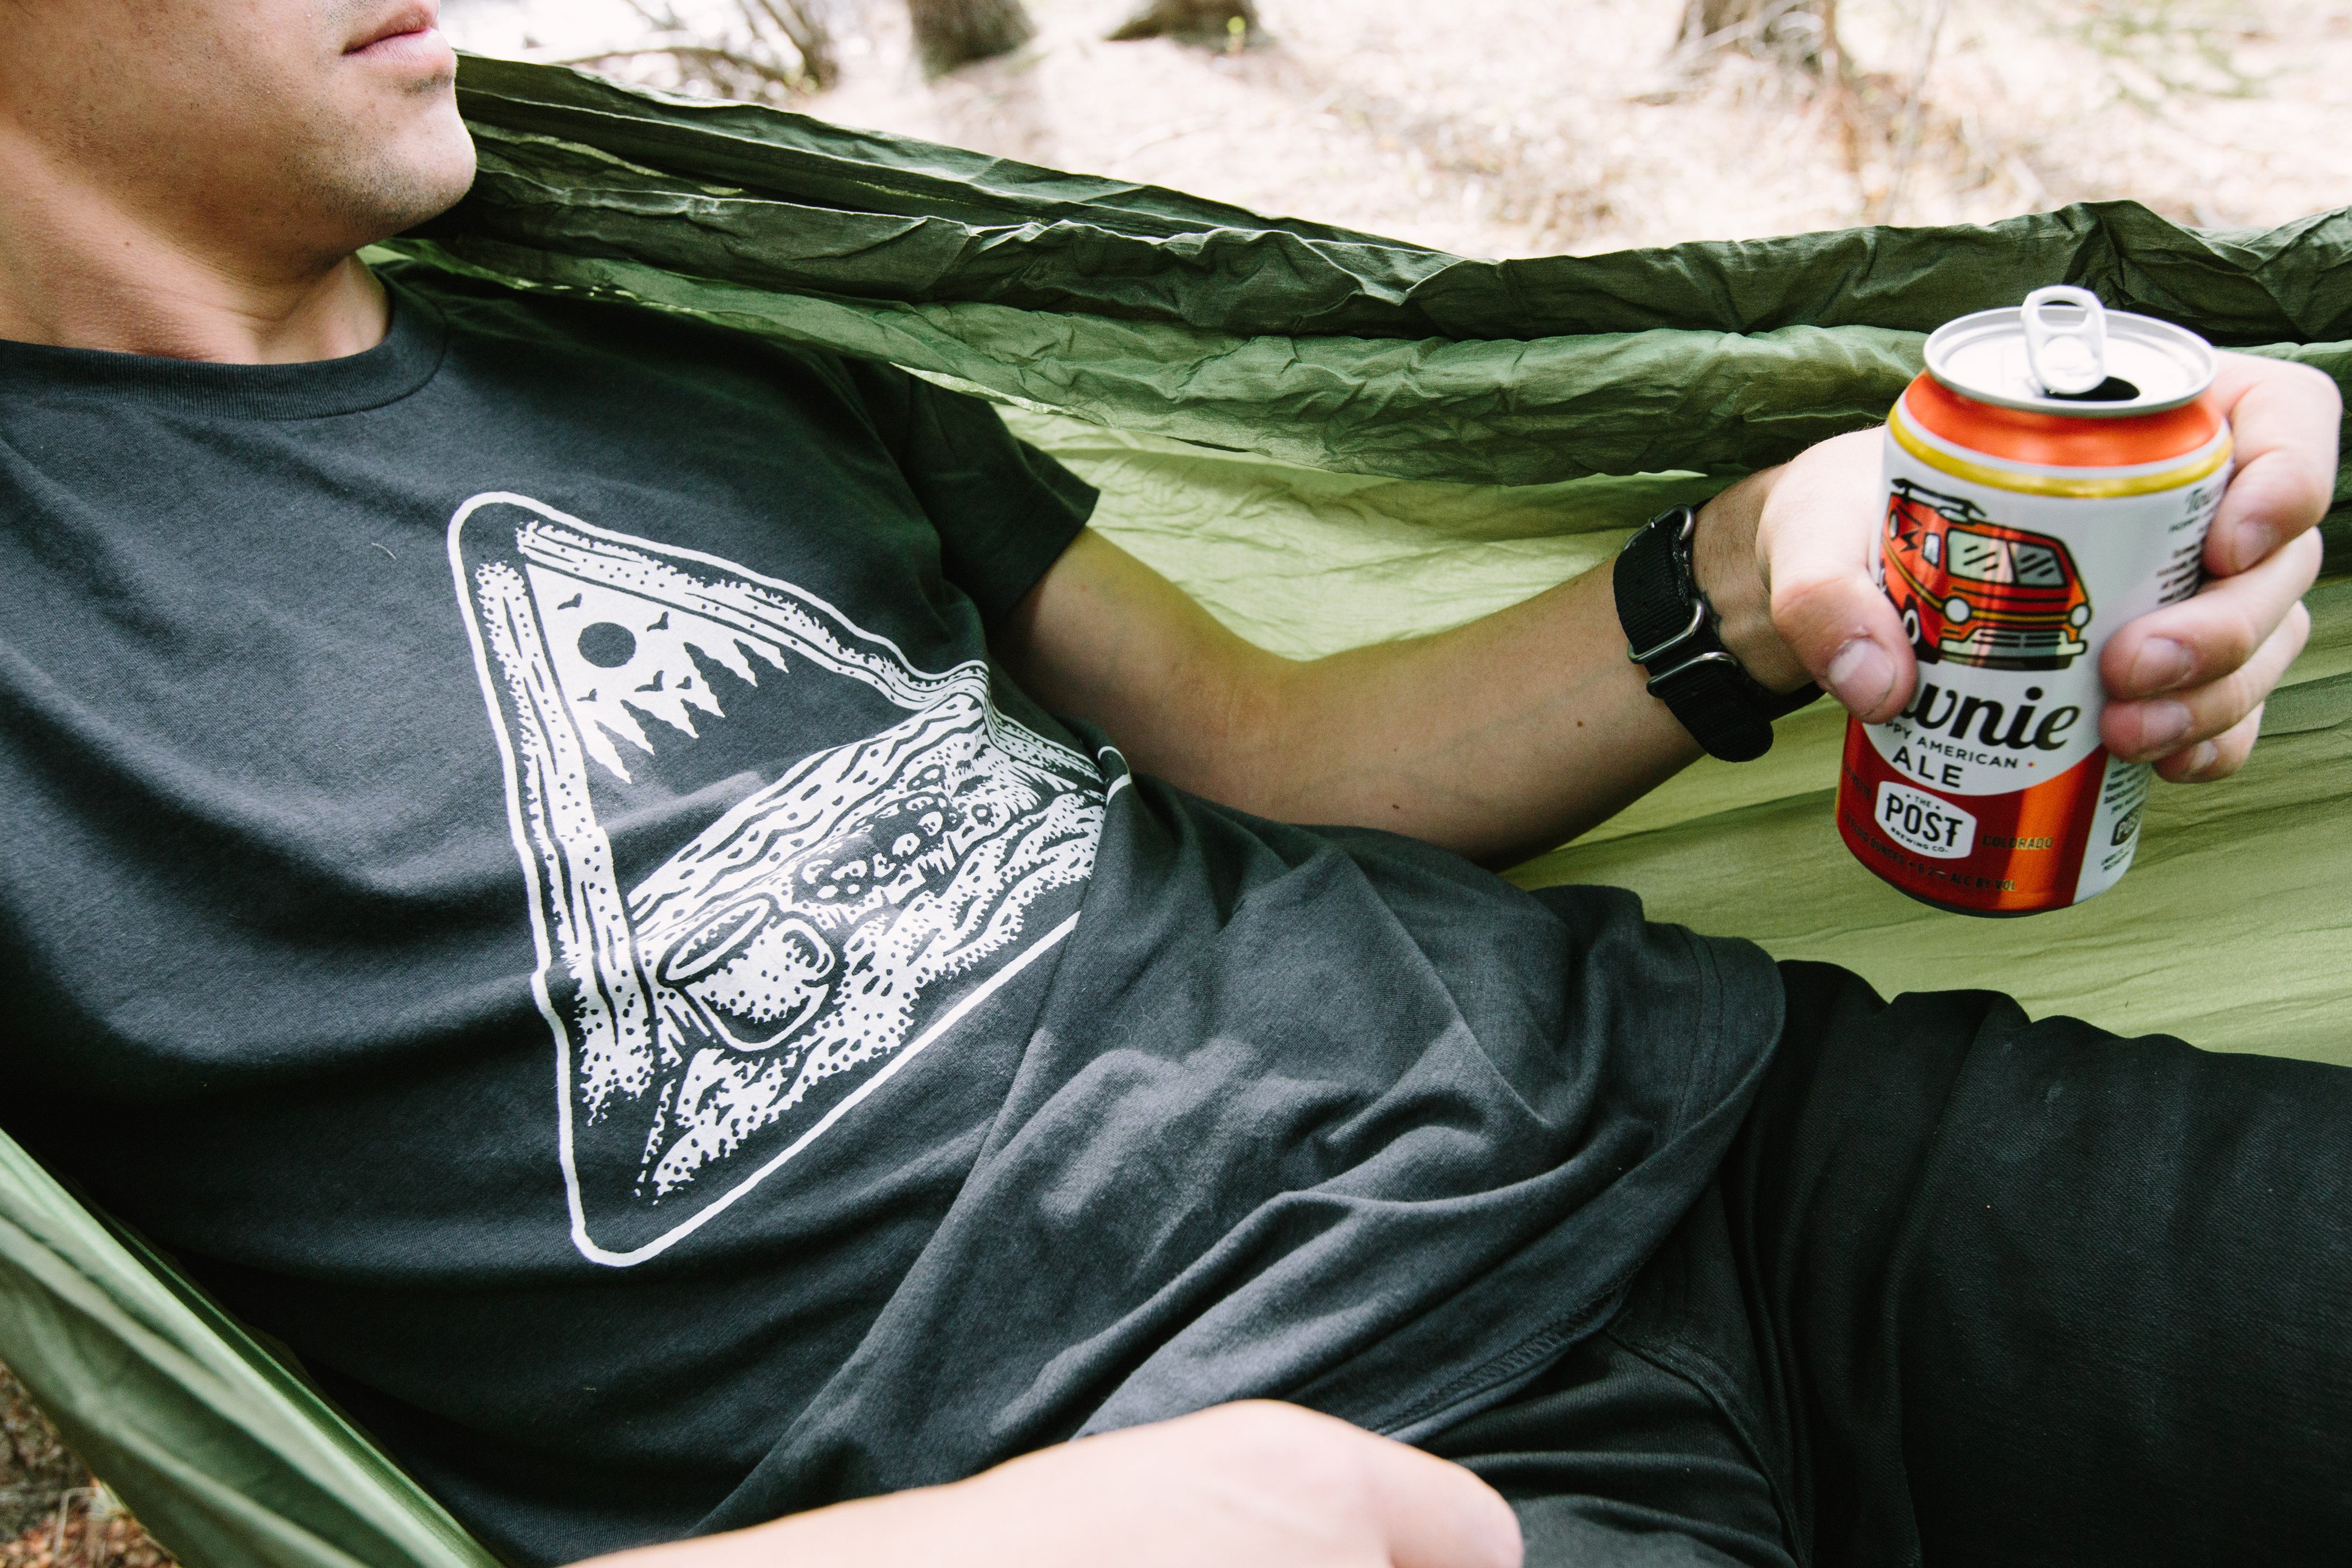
[(2274, 496), (1249, 1485), (2210, 634), (2285, 419), (2216, 658), (2198, 661), (1815, 539), (2174, 728), (2216, 759), (1436, 1514), (1845, 631)]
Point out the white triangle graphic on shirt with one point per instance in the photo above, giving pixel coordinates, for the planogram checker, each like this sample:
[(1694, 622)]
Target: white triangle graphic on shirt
[(715, 1018)]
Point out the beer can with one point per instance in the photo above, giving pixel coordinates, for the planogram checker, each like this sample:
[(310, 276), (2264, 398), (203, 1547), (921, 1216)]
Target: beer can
[(2049, 476)]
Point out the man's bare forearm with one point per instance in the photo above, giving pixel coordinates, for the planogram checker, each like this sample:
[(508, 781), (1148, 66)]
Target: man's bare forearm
[(1496, 739), (1504, 738)]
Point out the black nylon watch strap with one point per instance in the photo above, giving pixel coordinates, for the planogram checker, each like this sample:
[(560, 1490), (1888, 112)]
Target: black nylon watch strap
[(1671, 632)]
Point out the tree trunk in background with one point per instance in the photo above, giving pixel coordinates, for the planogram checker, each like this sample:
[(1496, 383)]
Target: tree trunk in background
[(1208, 21), (951, 33)]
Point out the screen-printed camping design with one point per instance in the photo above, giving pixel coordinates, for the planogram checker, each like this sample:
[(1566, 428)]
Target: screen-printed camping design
[(1977, 592), (734, 952)]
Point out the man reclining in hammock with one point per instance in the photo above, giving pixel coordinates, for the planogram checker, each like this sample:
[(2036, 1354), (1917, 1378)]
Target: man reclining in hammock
[(542, 862)]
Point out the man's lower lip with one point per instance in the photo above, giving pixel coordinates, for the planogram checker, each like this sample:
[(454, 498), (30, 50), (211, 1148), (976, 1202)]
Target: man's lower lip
[(423, 46)]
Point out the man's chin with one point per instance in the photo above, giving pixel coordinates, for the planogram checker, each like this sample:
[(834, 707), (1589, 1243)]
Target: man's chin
[(402, 184)]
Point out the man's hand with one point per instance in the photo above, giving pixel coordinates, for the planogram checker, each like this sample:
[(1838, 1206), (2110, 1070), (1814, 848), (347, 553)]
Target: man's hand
[(1241, 1485), (1784, 556)]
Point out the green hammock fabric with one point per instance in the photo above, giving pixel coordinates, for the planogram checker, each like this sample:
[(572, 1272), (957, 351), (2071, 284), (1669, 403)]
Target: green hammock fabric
[(1330, 438), (226, 1455)]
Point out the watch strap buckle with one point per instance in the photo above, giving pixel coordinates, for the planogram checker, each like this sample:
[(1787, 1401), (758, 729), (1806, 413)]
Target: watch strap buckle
[(1710, 693), (1698, 619)]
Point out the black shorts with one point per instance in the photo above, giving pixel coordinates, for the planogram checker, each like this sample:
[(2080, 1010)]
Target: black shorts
[(1971, 1289)]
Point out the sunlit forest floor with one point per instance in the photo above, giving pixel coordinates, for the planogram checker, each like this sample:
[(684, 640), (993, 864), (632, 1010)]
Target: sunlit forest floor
[(1523, 127)]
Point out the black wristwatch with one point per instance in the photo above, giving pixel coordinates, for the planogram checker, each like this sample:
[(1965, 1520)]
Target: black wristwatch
[(1672, 631)]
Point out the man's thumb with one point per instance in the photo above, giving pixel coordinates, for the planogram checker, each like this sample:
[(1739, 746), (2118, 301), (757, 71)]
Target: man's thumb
[(1866, 678), (1825, 608), (1841, 629)]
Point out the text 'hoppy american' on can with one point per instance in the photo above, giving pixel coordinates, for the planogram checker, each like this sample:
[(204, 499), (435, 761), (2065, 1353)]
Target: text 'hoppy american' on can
[(2050, 475)]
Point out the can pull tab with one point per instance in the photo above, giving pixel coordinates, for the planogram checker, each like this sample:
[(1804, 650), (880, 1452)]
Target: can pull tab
[(2067, 358)]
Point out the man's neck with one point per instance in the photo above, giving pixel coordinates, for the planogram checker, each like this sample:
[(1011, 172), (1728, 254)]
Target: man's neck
[(79, 270)]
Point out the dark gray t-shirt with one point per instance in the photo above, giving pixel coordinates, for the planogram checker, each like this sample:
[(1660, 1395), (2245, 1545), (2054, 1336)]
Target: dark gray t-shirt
[(519, 864)]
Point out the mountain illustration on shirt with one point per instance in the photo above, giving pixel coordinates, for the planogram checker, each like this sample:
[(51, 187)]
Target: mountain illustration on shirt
[(733, 953)]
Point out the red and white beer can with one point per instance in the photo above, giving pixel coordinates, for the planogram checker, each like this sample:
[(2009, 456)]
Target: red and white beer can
[(2049, 475)]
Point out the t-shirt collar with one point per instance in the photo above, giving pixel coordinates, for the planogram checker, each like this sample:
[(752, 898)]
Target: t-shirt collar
[(411, 352)]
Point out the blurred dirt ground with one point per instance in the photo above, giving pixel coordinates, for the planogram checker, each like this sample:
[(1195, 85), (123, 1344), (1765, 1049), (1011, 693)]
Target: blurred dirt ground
[(82, 1537), (52, 1515), (1523, 127)]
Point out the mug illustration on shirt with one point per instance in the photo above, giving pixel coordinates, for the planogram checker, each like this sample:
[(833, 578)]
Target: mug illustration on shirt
[(759, 979)]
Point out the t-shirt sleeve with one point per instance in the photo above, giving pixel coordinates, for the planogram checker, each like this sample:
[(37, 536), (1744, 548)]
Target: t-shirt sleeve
[(1005, 510)]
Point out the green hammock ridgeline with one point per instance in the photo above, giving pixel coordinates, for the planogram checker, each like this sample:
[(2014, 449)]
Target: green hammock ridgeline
[(1329, 438)]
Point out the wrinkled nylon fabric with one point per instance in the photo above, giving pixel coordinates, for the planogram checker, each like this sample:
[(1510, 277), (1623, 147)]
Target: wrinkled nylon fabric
[(1157, 313), (1331, 439)]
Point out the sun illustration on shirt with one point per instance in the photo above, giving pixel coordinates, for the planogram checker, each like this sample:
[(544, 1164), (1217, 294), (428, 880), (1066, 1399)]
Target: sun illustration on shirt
[(611, 671), (833, 920)]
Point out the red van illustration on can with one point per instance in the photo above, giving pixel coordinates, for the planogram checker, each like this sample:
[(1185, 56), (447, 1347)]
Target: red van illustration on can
[(1974, 591)]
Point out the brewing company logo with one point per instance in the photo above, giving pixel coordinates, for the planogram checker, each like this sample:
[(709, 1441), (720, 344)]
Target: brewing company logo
[(732, 955)]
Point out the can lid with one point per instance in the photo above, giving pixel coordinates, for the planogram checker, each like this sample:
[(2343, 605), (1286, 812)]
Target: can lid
[(2063, 353)]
